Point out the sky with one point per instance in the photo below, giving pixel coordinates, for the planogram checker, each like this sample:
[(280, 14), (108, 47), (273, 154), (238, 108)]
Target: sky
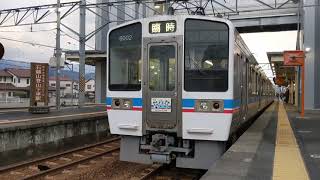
[(258, 43), (41, 34), (261, 43)]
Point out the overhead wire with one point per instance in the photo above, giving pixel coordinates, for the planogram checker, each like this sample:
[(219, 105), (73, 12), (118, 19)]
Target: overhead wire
[(75, 39), (30, 43), (30, 31)]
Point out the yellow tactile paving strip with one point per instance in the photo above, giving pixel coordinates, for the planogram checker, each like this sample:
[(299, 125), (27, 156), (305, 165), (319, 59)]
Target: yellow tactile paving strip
[(288, 163)]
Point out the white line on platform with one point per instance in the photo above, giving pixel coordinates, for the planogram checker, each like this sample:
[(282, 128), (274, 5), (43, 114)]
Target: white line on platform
[(26, 110), (14, 110), (304, 131), (68, 107), (50, 117)]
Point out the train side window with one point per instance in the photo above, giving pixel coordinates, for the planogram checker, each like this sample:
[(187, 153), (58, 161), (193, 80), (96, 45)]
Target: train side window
[(206, 56)]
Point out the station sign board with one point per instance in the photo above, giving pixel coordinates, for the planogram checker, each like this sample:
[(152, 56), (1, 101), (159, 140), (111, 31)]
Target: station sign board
[(162, 27), (39, 84), (293, 58)]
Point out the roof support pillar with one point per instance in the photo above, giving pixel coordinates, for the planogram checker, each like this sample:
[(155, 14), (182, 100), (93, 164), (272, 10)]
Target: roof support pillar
[(311, 29)]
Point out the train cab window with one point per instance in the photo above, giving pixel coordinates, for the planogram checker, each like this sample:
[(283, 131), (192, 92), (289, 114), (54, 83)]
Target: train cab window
[(125, 58), (206, 56)]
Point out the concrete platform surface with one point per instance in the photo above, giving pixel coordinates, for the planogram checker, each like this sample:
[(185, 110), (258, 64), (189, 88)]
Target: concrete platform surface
[(21, 130), (11, 118), (279, 145)]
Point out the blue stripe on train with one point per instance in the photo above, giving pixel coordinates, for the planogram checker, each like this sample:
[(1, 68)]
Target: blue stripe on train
[(228, 103), (109, 101), (135, 101), (189, 103)]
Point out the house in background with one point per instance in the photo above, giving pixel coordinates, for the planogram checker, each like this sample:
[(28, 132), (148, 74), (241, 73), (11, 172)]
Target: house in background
[(65, 87), (5, 84), (90, 83), (14, 83), (21, 77), (90, 88)]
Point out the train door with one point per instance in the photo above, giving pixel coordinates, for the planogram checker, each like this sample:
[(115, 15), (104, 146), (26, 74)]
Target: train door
[(245, 75), (160, 92), (259, 92)]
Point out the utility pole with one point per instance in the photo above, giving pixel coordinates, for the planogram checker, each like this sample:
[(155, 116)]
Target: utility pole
[(166, 7), (82, 49), (58, 56)]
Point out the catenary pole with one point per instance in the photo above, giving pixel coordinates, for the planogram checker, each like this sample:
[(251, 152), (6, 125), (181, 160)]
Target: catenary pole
[(82, 49), (58, 56)]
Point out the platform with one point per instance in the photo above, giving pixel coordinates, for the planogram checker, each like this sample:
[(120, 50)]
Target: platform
[(279, 145), (18, 117), (20, 129)]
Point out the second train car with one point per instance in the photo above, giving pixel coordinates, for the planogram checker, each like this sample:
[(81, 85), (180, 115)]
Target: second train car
[(178, 87)]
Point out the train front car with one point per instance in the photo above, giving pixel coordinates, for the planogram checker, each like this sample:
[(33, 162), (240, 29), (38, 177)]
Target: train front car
[(170, 89)]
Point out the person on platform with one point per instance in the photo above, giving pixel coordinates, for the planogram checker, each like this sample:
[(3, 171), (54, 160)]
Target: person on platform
[(286, 95)]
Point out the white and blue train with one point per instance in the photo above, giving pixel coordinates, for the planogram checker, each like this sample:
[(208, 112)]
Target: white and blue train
[(179, 87)]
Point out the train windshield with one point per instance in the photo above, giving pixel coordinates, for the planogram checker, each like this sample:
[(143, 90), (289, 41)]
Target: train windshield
[(125, 58), (206, 56)]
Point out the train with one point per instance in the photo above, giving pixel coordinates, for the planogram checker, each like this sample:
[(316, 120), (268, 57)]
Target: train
[(179, 87)]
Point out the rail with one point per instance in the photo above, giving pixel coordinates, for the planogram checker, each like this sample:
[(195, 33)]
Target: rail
[(58, 162)]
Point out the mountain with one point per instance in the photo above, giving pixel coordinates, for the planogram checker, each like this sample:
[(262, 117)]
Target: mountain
[(90, 76), (5, 63), (66, 71)]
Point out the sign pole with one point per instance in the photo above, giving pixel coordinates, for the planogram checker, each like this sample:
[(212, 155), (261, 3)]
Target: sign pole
[(302, 91)]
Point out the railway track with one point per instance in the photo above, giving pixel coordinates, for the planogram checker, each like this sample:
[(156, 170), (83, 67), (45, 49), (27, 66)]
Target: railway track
[(163, 172), (54, 165)]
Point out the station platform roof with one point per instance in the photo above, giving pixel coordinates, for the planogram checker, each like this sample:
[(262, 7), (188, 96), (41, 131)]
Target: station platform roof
[(92, 56), (278, 69)]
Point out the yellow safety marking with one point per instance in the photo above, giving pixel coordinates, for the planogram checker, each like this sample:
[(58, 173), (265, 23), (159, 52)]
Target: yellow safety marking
[(288, 163), (50, 117)]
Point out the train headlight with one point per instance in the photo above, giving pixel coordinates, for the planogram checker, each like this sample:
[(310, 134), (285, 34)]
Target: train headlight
[(116, 104), (127, 104), (202, 106), (217, 106), (119, 103)]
